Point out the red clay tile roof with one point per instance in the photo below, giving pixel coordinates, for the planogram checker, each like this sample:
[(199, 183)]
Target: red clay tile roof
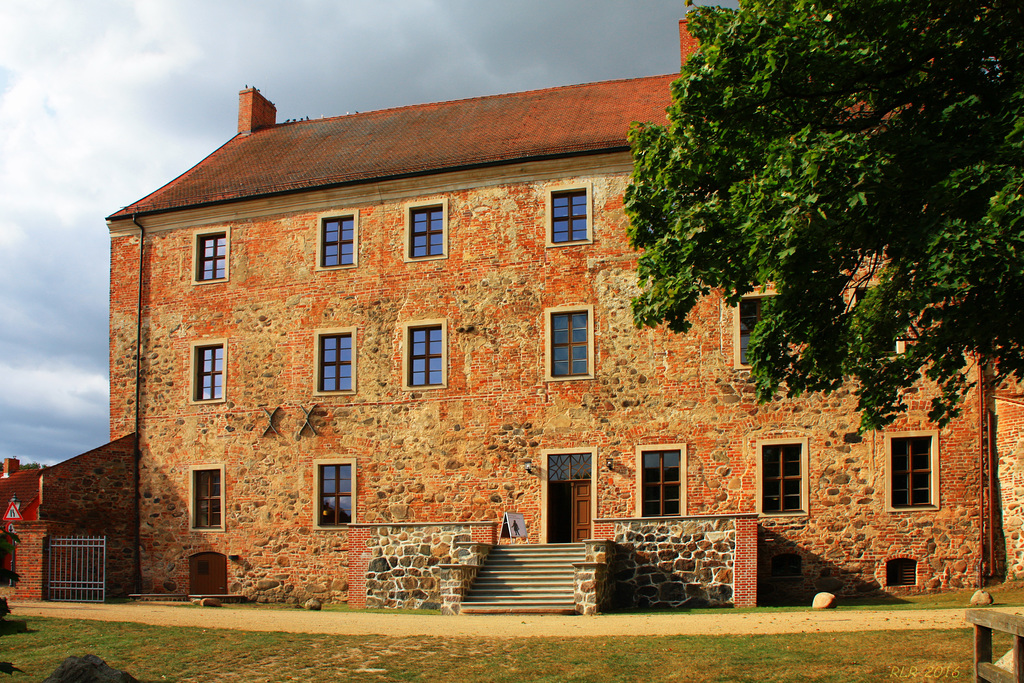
[(416, 140), (24, 484)]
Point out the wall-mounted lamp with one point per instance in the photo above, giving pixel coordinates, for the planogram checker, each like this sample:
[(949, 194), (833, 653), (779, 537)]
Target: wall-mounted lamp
[(528, 466), (609, 463)]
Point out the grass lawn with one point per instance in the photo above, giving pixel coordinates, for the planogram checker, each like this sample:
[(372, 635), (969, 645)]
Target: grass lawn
[(154, 653)]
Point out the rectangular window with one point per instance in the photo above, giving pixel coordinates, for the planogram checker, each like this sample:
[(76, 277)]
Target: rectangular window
[(569, 217), (426, 356), (335, 363), (911, 475), (426, 232), (335, 494), (569, 344), (782, 478), (661, 486), (209, 373), (207, 500), (338, 242), (211, 257), (749, 315)]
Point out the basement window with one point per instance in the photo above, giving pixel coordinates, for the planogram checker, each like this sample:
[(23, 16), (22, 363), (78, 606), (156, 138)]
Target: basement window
[(901, 571)]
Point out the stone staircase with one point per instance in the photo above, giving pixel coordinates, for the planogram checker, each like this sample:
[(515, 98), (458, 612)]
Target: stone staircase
[(520, 579)]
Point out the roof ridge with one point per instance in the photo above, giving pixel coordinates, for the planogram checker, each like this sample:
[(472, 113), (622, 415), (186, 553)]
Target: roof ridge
[(477, 98)]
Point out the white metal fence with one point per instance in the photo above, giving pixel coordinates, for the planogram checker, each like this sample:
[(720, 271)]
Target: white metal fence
[(78, 569)]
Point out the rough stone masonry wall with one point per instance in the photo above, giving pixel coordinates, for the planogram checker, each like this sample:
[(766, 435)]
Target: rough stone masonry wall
[(666, 562), (1010, 447), (404, 568), (455, 454)]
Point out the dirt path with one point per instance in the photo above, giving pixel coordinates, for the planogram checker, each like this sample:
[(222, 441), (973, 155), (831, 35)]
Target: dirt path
[(500, 626)]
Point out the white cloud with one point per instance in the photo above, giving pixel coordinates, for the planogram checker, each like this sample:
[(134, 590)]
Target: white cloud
[(62, 390)]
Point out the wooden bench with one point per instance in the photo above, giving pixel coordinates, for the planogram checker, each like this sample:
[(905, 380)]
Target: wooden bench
[(985, 621)]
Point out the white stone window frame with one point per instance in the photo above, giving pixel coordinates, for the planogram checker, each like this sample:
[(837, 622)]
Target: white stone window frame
[(549, 342), (683, 469), (543, 473), (351, 332), (406, 350), (194, 366), (193, 511), (197, 236), (934, 479), (317, 464), (549, 218), (737, 361), (805, 478), (407, 210), (321, 219)]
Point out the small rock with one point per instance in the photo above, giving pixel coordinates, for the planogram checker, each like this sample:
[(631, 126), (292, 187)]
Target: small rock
[(824, 601), (981, 598), (313, 604), (88, 669), (209, 602)]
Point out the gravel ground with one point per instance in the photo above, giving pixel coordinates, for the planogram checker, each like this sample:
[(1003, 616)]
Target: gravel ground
[(500, 626)]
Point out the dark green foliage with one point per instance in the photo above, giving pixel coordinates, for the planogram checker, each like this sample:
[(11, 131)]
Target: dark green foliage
[(823, 146)]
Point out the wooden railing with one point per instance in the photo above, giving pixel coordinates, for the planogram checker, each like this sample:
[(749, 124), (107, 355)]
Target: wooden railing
[(985, 621)]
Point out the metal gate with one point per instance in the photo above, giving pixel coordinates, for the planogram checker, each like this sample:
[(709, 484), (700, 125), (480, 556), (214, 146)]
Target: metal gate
[(78, 569)]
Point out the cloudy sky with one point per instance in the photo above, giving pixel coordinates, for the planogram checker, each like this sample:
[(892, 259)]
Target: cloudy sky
[(102, 102)]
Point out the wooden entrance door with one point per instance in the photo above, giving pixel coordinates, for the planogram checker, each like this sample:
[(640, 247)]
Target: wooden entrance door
[(208, 574), (569, 497)]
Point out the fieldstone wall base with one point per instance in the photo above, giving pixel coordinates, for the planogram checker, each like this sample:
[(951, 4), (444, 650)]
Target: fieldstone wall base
[(593, 585), (410, 564), (456, 578), (674, 562)]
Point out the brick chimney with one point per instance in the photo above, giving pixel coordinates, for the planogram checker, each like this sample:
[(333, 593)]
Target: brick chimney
[(254, 111), (11, 465), (687, 43)]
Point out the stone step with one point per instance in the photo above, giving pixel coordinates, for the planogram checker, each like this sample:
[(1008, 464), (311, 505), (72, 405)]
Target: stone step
[(525, 579), (502, 607), (519, 591)]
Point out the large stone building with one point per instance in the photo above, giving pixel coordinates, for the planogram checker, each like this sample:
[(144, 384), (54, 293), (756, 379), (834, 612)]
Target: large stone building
[(363, 339)]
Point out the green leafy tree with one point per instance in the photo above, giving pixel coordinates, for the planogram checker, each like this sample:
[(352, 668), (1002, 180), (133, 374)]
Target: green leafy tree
[(864, 158)]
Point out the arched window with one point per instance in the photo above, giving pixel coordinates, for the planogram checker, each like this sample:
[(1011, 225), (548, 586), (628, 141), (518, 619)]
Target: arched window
[(786, 565), (901, 571)]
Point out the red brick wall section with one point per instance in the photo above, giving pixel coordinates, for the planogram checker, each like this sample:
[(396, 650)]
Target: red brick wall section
[(604, 531), (94, 493), (483, 533), (745, 569), (30, 557), (358, 564)]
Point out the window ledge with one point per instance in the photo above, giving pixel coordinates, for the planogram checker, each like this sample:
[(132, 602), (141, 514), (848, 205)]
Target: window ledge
[(911, 509)]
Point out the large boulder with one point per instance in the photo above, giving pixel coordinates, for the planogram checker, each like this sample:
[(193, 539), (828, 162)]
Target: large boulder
[(981, 598), (88, 669), (824, 601)]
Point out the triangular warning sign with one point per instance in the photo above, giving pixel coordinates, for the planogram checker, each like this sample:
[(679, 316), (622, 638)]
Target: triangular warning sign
[(13, 514)]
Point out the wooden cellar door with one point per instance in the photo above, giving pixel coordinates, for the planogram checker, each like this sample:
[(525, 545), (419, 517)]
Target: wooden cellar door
[(208, 574)]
